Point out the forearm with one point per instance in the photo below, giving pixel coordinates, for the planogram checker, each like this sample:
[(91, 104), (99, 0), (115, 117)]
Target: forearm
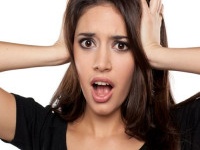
[(179, 59), (17, 56)]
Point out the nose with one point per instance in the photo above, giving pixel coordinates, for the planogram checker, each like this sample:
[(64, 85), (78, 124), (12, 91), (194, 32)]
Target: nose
[(102, 61)]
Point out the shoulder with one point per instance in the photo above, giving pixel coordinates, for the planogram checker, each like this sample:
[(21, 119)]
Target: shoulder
[(187, 118), (36, 125), (31, 111), (188, 111)]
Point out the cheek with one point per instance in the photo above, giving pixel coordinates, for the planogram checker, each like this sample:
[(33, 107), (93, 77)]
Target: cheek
[(78, 60), (128, 77), (82, 63), (81, 57), (126, 68), (126, 74)]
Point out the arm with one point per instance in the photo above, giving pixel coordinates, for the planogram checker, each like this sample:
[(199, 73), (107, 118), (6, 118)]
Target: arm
[(7, 115), (180, 59), (17, 56)]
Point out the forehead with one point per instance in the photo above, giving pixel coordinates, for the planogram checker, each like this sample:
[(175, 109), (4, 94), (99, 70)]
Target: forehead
[(102, 18)]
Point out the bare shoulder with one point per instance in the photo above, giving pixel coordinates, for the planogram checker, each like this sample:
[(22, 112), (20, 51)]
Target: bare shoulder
[(5, 95), (7, 115)]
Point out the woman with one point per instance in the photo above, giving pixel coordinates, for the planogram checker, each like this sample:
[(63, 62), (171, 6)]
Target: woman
[(109, 93)]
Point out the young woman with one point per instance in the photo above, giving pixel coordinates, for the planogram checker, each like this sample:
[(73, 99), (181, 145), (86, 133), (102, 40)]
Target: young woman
[(110, 98)]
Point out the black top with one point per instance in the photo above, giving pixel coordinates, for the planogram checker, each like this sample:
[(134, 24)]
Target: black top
[(38, 128)]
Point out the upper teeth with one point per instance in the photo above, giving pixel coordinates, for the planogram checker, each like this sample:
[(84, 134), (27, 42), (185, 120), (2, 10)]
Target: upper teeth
[(101, 83)]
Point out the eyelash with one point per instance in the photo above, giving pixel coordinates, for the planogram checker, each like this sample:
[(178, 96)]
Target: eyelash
[(82, 44), (126, 44), (83, 41)]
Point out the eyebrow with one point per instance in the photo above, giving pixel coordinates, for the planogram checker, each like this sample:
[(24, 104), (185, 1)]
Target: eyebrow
[(86, 34), (116, 37), (119, 37)]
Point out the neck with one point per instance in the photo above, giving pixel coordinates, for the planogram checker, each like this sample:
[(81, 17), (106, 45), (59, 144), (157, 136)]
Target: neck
[(102, 125)]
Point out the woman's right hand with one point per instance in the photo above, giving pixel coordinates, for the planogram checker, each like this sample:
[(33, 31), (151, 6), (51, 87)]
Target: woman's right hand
[(18, 56), (60, 48)]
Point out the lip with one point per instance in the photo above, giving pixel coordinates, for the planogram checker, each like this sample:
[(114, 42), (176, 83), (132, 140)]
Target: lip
[(99, 79), (105, 98)]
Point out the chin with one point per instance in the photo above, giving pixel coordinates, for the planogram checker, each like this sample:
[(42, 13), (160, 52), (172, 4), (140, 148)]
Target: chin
[(106, 111)]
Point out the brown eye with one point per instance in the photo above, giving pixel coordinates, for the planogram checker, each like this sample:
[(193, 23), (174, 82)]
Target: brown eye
[(87, 43), (121, 46)]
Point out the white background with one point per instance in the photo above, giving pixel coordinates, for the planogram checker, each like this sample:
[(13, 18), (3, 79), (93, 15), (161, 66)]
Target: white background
[(38, 22)]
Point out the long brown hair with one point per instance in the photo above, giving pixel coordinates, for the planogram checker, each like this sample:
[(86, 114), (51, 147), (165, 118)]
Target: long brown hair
[(146, 110)]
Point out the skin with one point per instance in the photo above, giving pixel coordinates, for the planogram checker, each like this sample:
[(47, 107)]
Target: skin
[(33, 56), (179, 59), (102, 57), (27, 56)]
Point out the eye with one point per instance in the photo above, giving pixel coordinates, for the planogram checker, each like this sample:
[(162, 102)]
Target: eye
[(121, 46), (87, 43)]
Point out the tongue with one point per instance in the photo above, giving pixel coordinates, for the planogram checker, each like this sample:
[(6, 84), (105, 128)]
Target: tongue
[(102, 90)]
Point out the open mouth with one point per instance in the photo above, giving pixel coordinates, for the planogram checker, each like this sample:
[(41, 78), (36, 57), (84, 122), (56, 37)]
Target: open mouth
[(102, 88), (103, 84), (102, 91)]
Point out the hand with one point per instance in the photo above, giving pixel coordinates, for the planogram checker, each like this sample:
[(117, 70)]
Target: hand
[(60, 47), (150, 27)]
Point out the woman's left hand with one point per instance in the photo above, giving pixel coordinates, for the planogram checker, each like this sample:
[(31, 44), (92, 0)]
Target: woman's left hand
[(150, 28)]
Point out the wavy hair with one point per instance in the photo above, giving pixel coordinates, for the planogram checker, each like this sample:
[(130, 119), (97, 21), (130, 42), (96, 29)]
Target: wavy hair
[(146, 110)]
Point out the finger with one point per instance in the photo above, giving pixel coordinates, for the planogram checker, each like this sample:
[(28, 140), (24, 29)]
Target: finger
[(154, 6), (160, 5), (161, 11), (145, 7)]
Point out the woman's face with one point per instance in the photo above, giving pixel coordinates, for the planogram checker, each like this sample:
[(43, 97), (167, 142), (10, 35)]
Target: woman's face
[(103, 59)]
